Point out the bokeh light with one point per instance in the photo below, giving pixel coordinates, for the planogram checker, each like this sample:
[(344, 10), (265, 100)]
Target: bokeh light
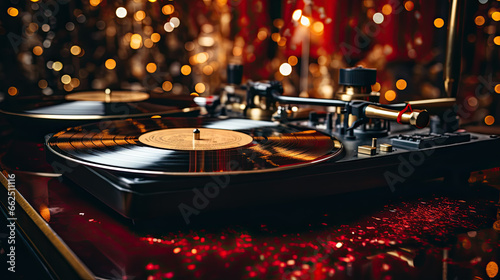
[(12, 91), (390, 95), (13, 12), (285, 69), (489, 120), (121, 12), (378, 18), (151, 67), (438, 22), (38, 50), (401, 84), (110, 64), (186, 70)]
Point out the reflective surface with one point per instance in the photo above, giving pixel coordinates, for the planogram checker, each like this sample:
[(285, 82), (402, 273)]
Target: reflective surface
[(372, 235)]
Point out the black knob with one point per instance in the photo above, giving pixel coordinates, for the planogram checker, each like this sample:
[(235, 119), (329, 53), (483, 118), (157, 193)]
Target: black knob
[(313, 117), (234, 73), (357, 76)]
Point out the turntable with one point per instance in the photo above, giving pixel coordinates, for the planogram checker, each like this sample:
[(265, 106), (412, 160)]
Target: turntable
[(155, 167)]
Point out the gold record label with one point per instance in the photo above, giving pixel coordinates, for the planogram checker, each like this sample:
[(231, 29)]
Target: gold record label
[(111, 96), (184, 139)]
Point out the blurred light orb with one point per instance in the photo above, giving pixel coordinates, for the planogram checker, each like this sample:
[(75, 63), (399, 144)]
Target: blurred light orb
[(75, 50), (110, 64), (390, 95), (166, 86), (37, 50), (489, 120), (401, 84), (496, 16), (151, 67), (168, 27), (121, 12), (186, 70), (439, 22), (409, 6), (497, 40), (175, 22), (296, 15), (479, 20), (167, 9), (57, 66), (285, 69), (378, 18), (200, 87), (66, 79), (13, 12), (155, 37), (12, 91), (305, 21)]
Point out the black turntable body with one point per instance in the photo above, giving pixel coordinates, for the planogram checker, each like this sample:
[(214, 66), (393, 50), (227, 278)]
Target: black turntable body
[(289, 159)]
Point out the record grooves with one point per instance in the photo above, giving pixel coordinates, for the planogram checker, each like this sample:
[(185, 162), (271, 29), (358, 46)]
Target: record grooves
[(231, 145)]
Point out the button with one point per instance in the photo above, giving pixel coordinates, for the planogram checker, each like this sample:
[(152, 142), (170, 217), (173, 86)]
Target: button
[(386, 148)]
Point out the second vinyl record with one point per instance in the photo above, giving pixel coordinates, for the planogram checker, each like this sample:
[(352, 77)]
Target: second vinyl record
[(193, 146)]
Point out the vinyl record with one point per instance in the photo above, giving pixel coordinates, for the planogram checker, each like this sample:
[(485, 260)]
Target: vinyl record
[(193, 146), (93, 105)]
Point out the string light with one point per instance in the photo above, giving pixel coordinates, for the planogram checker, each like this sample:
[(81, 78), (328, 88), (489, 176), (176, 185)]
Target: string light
[(376, 87)]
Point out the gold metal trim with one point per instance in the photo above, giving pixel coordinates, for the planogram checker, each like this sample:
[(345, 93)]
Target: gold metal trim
[(76, 264)]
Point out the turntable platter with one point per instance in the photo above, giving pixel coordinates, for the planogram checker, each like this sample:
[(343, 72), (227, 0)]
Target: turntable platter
[(165, 146)]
